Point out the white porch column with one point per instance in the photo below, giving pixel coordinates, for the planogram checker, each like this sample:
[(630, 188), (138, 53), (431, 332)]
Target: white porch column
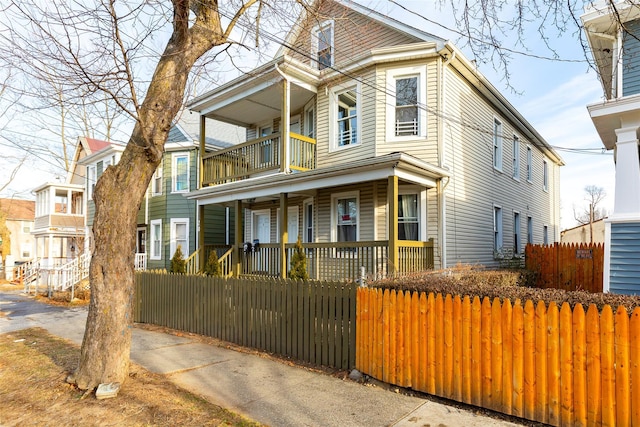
[(285, 122), (627, 196)]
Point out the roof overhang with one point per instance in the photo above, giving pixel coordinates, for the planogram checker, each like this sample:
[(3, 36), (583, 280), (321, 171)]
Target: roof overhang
[(257, 97), (614, 114), (59, 185), (105, 152), (405, 167)]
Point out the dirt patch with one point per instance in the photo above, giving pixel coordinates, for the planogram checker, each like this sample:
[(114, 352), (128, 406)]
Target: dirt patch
[(34, 364), (502, 284)]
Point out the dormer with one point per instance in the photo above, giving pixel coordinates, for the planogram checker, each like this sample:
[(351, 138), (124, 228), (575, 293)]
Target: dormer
[(613, 32)]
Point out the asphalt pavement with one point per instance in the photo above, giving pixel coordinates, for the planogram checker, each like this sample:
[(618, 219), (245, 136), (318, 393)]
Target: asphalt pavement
[(261, 388)]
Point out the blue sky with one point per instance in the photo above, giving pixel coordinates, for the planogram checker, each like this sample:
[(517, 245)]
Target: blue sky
[(551, 95)]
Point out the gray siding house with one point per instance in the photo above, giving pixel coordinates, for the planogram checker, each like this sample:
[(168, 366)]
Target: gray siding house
[(379, 146), (613, 31)]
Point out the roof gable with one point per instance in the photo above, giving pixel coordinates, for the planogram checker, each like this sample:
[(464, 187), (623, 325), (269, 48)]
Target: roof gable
[(357, 30)]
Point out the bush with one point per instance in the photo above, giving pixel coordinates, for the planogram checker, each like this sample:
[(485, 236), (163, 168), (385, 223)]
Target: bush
[(298, 263), (178, 263), (212, 267)]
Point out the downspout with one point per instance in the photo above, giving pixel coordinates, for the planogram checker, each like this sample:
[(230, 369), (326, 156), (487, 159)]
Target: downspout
[(442, 202)]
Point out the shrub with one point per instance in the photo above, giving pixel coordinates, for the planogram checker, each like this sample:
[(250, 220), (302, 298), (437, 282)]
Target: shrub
[(298, 263), (212, 267), (178, 263)]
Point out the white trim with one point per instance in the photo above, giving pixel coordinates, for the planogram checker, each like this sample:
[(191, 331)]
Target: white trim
[(529, 230), (606, 278), (333, 115), (420, 72), (545, 175), (421, 194), (174, 170), (497, 145), (173, 238), (529, 164), (515, 157), (545, 234), (255, 213), (152, 253), (305, 220), (334, 220), (157, 175), (517, 231), (498, 227), (310, 107)]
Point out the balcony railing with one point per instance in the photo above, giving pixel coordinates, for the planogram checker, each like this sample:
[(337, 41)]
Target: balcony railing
[(257, 156)]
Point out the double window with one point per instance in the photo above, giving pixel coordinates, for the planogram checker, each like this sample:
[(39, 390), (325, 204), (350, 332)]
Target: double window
[(406, 101), (345, 116), (180, 175)]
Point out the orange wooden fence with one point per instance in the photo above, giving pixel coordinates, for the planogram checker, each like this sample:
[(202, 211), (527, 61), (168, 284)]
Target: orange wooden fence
[(567, 266), (548, 364)]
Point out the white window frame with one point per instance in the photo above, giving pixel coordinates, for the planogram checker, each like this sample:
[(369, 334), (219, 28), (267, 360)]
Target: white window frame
[(152, 239), (156, 189), (173, 243), (91, 181), (545, 234), (516, 157), (399, 73), (309, 131), (497, 144), (334, 220), (498, 236), (174, 171), (422, 208), (333, 116), (308, 221), (315, 60), (517, 235), (529, 164), (530, 229), (545, 175)]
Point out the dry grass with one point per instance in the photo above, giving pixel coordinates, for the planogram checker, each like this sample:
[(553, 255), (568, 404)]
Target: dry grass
[(502, 284), (34, 365)]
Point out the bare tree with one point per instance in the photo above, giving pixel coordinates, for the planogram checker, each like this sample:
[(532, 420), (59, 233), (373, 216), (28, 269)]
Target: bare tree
[(110, 49), (592, 210)]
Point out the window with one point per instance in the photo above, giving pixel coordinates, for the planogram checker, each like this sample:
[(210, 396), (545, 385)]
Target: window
[(308, 222), (406, 93), (179, 236), (529, 230), (545, 235), (91, 181), (323, 45), (345, 112), (497, 144), (309, 122), (516, 232), (157, 182), (180, 175), (545, 175), (497, 228), (156, 239), (26, 227), (345, 217), (408, 217), (25, 250), (516, 157), (264, 148), (529, 164)]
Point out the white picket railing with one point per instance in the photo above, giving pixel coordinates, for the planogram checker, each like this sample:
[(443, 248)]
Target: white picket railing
[(70, 274), (140, 262)]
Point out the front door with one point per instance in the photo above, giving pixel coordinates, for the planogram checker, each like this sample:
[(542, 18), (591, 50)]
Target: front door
[(141, 240)]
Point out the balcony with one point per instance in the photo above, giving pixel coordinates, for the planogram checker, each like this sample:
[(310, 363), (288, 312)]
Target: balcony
[(257, 156)]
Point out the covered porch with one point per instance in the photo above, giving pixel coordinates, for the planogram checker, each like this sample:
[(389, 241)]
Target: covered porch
[(340, 240)]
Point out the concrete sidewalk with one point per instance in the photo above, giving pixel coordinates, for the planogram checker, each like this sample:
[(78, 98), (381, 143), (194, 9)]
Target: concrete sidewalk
[(260, 388)]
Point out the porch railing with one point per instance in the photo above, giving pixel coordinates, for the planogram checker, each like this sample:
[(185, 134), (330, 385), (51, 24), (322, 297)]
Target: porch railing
[(257, 156), (140, 261)]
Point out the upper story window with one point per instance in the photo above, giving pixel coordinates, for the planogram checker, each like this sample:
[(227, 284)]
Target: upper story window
[(322, 45), (180, 175), (406, 99), (516, 157), (91, 181), (529, 164), (545, 175), (156, 183), (497, 144), (345, 116)]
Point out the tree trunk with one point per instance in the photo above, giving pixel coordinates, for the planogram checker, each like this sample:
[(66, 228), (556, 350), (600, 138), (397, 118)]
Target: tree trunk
[(106, 345)]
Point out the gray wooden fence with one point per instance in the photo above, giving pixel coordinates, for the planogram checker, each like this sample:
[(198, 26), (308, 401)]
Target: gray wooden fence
[(310, 321)]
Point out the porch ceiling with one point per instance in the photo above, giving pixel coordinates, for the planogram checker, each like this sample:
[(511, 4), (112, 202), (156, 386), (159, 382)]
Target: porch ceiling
[(407, 168)]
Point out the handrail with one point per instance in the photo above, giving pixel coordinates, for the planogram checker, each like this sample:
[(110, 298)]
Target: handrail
[(192, 262), (226, 264), (243, 145)]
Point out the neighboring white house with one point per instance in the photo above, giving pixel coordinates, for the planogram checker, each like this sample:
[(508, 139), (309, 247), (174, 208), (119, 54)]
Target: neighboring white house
[(582, 233), (376, 137), (615, 47)]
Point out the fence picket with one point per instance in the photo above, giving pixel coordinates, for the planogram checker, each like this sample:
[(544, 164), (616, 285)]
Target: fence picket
[(553, 363), (506, 321), (424, 354), (476, 352), (457, 348), (517, 328), (439, 341), (606, 363), (415, 339), (542, 396), (447, 330), (566, 365), (466, 349), (621, 346), (594, 401), (634, 363), (431, 343), (485, 360)]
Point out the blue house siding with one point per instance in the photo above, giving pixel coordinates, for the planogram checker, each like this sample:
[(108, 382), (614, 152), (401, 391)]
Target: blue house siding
[(631, 59), (624, 275)]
